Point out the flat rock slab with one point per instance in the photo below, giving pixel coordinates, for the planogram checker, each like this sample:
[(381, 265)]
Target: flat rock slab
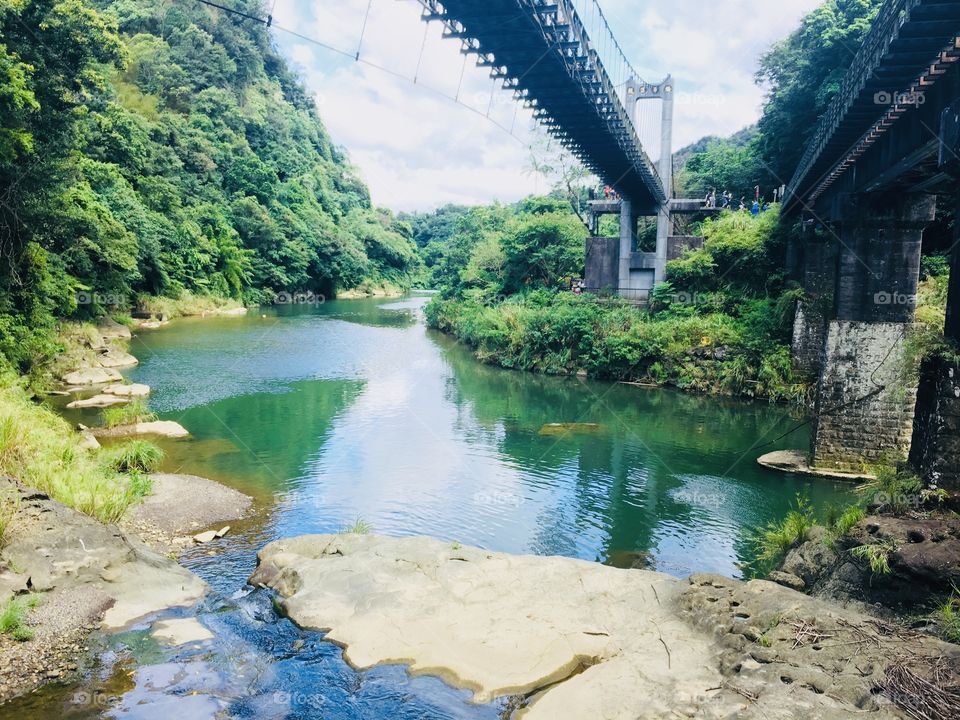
[(91, 376), (180, 631), (579, 640), (183, 504), (117, 359), (110, 329), (128, 391), (163, 428), (795, 462), (61, 549), (98, 401)]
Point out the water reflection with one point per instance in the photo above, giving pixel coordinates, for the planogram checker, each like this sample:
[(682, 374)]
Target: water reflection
[(353, 409)]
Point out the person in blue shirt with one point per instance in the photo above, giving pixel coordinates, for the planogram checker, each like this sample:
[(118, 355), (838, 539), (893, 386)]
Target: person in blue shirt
[(755, 208)]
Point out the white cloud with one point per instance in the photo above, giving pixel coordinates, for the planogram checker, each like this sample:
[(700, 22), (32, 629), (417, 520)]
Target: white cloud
[(417, 148)]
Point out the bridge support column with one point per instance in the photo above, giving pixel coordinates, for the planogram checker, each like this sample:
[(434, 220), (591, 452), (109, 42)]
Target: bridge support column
[(935, 451), (817, 273), (865, 396), (664, 231), (628, 231)]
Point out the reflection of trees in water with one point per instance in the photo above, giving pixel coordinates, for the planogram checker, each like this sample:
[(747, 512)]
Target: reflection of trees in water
[(267, 439), (374, 312), (647, 465)]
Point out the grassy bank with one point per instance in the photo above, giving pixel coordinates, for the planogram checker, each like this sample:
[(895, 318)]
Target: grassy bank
[(187, 304), (566, 334), (39, 448)]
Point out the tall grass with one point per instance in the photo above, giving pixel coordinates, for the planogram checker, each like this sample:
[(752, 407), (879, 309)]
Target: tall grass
[(948, 617), (140, 456), (133, 412), (359, 527), (38, 448), (186, 304), (877, 556), (13, 617), (774, 541)]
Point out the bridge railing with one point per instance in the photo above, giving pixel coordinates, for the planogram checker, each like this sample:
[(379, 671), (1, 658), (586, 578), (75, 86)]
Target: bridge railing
[(875, 45), (612, 71), (605, 44)]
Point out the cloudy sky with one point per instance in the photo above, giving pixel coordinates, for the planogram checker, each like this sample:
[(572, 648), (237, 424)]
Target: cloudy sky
[(417, 148)]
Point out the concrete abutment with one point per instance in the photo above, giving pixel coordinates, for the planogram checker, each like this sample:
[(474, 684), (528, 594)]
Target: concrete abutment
[(866, 394)]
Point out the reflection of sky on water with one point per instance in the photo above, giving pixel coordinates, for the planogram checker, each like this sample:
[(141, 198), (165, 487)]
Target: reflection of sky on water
[(375, 417)]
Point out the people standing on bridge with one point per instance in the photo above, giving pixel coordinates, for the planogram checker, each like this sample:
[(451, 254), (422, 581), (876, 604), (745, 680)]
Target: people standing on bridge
[(712, 199), (727, 198), (743, 203), (606, 191), (755, 208)]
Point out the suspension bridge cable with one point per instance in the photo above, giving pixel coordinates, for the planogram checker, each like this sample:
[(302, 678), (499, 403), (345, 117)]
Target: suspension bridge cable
[(354, 56), (423, 46), (363, 30)]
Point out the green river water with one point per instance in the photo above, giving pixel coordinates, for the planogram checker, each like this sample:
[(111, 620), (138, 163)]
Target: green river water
[(354, 409)]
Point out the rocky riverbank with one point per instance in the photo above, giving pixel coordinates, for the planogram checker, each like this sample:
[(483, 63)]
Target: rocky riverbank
[(65, 576), (83, 574), (572, 639), (918, 556), (87, 576)]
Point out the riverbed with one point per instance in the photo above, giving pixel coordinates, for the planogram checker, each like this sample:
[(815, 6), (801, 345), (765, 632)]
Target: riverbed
[(353, 412)]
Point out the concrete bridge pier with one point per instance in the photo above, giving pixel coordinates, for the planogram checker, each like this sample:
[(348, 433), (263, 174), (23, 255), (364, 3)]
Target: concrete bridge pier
[(628, 232), (865, 399), (935, 450), (816, 270)]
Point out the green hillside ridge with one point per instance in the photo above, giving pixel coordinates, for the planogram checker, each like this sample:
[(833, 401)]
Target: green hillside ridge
[(156, 149)]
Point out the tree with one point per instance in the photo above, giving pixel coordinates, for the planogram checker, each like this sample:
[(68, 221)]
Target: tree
[(543, 251), (803, 74)]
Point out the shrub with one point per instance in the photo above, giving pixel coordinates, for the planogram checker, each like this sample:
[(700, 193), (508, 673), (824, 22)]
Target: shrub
[(133, 456), (129, 414), (778, 538)]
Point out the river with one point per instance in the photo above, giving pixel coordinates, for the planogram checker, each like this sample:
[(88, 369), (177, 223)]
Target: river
[(353, 411)]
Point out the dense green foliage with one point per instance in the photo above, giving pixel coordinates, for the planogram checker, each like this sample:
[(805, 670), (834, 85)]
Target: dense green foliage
[(803, 73), (725, 331), (729, 165), (492, 251), (156, 148)]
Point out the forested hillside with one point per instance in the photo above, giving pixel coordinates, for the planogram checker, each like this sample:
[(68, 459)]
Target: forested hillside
[(155, 148)]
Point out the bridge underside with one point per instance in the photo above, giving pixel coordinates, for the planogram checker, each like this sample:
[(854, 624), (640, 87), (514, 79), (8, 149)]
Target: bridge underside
[(867, 188), (882, 130), (541, 51)]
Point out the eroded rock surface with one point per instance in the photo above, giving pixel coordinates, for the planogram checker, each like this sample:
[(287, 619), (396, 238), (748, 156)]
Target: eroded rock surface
[(923, 554), (91, 376), (581, 640), (167, 522), (161, 428), (60, 549), (90, 575)]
